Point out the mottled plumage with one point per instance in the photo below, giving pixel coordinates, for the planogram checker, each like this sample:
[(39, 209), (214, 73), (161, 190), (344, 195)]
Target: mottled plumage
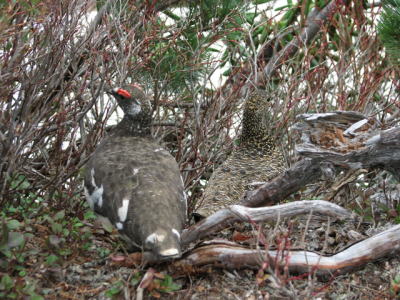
[(256, 159), (135, 183)]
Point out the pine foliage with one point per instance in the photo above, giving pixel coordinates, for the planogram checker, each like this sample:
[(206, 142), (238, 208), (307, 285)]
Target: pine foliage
[(389, 29)]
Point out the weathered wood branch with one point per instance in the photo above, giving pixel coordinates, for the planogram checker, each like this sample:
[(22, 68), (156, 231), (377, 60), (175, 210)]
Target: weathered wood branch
[(380, 151), (350, 140), (232, 256), (302, 173), (226, 217)]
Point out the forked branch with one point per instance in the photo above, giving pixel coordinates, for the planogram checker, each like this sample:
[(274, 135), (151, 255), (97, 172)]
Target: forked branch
[(232, 256)]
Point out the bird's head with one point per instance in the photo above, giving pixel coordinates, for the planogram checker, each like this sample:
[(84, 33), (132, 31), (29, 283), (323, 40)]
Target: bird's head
[(132, 101)]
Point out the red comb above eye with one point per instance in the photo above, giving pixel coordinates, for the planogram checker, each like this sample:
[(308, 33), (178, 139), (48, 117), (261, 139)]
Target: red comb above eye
[(123, 93)]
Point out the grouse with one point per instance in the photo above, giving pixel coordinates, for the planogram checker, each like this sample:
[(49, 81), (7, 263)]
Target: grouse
[(256, 159), (135, 183)]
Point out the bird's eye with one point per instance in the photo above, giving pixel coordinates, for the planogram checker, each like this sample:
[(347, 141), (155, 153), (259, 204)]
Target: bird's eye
[(124, 93)]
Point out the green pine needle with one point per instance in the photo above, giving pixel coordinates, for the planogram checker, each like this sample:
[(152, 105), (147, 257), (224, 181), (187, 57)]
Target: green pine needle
[(389, 29)]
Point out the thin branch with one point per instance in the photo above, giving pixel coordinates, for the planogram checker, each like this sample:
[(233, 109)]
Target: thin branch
[(226, 217), (314, 24), (232, 256)]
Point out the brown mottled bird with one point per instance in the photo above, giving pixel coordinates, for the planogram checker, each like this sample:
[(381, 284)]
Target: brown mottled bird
[(256, 159), (135, 183)]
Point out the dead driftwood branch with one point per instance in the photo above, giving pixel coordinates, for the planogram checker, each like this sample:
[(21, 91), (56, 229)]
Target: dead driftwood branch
[(226, 217), (380, 151), (302, 173), (232, 256), (350, 140)]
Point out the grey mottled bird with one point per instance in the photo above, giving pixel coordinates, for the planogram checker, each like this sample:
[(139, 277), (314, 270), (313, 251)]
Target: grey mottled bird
[(135, 183), (256, 159)]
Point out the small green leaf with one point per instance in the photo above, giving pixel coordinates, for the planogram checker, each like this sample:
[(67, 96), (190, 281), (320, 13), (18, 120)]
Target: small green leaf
[(103, 252), (65, 252), (51, 259), (28, 235), (282, 7), (79, 224), (250, 17), (15, 239), (56, 228), (20, 183), (115, 290), (12, 209), (135, 279), (29, 289), (48, 219), (172, 15), (89, 215), (6, 283), (33, 252), (210, 49), (227, 72), (86, 232), (7, 253), (261, 1), (59, 215), (170, 286), (20, 257), (13, 224), (86, 246)]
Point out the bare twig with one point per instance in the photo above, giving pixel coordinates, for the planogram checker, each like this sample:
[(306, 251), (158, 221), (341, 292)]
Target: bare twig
[(314, 24), (235, 213)]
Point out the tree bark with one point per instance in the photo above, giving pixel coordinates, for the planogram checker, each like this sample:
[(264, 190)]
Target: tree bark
[(302, 173)]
